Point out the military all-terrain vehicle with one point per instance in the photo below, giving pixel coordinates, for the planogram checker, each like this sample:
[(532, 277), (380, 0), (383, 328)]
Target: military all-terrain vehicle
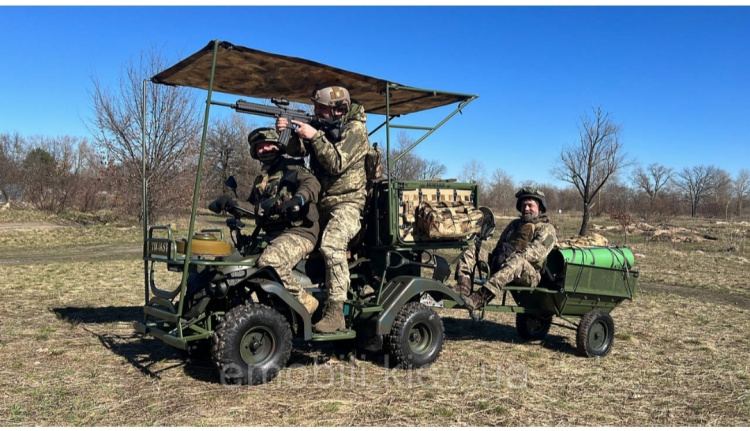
[(242, 312)]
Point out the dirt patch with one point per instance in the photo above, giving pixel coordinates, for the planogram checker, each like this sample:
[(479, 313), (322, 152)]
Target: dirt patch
[(32, 225), (708, 296), (89, 253)]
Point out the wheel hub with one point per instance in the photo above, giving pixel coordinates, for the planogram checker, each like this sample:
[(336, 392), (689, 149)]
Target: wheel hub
[(257, 345), (598, 335), (420, 338)]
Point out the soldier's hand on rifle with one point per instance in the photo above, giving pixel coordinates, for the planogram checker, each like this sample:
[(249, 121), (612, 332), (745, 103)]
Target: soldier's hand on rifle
[(281, 124), (305, 131)]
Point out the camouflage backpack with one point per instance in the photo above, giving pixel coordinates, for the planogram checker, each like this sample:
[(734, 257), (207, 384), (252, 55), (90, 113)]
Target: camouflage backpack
[(448, 220)]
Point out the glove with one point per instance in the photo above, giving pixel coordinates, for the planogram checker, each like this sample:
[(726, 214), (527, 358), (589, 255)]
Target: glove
[(292, 205), (218, 205)]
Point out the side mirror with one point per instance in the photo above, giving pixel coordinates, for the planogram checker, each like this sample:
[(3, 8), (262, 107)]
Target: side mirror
[(232, 184)]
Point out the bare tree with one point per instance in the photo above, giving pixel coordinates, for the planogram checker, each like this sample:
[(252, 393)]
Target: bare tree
[(172, 130), (228, 153), (500, 190), (741, 187), (50, 173), (473, 171), (696, 184), (721, 193), (592, 162), (410, 166), (652, 180), (11, 155), (433, 169)]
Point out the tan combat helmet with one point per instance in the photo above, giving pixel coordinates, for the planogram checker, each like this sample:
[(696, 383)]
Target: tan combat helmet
[(533, 193), (334, 96)]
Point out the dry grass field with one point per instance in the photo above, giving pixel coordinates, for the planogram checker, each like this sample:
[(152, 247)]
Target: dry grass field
[(70, 357)]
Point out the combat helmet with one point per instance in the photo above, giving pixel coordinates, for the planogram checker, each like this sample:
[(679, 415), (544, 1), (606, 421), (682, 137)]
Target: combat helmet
[(263, 134), (334, 96), (533, 193)]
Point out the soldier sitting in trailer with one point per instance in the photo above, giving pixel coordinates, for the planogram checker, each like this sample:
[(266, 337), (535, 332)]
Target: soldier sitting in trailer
[(518, 256)]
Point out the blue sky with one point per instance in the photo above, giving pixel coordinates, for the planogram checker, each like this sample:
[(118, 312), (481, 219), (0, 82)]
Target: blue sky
[(677, 78)]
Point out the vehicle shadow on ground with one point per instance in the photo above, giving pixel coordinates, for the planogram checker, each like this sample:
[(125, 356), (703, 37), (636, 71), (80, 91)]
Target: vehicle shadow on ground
[(148, 355), (457, 329)]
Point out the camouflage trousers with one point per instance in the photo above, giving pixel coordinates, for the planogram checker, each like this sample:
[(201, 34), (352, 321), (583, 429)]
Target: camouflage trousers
[(343, 224), (516, 270), (285, 251)]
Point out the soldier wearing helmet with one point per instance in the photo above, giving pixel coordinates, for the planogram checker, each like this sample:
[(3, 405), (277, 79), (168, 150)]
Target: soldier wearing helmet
[(284, 196), (518, 256), (337, 158)]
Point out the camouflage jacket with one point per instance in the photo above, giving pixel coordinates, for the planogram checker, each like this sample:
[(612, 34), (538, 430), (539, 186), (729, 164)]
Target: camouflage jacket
[(532, 240), (281, 181), (339, 164)]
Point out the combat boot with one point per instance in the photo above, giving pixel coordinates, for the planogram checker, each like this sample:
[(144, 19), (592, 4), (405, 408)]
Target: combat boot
[(333, 318), (478, 298), (309, 301)]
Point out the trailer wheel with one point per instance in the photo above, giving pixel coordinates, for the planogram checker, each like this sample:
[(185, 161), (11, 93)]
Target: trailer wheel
[(416, 338), (532, 327), (251, 345), (596, 333)]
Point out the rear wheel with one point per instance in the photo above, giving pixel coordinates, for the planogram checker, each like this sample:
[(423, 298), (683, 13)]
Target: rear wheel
[(251, 345), (416, 338), (532, 327), (596, 334)]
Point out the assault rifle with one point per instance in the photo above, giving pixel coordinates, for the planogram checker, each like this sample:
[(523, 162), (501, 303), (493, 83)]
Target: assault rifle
[(281, 109)]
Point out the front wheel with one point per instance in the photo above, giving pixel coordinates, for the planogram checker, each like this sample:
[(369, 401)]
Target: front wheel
[(596, 333), (416, 338), (532, 327), (251, 345)]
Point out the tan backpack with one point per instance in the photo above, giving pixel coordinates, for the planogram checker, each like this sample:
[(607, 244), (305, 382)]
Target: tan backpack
[(448, 220)]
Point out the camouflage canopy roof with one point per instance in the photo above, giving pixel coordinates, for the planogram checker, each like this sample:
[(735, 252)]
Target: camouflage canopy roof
[(252, 73)]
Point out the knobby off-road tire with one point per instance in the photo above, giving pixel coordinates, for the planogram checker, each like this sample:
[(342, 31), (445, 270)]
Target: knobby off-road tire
[(416, 338), (251, 345), (596, 334), (533, 327)]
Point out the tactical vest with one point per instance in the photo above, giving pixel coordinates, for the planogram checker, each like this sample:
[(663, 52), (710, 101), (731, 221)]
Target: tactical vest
[(271, 189), (522, 235)]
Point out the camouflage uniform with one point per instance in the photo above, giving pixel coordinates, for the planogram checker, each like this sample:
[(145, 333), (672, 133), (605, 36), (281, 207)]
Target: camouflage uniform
[(292, 240), (519, 254), (339, 164), (532, 241)]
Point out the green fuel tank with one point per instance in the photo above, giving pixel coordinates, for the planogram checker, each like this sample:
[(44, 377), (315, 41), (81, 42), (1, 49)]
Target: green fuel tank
[(600, 257)]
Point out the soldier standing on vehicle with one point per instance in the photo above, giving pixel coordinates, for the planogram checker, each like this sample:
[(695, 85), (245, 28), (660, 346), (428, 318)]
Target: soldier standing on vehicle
[(284, 196), (337, 158), (518, 256)]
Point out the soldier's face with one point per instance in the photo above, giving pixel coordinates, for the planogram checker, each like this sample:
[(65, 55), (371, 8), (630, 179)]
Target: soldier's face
[(530, 207), (324, 111)]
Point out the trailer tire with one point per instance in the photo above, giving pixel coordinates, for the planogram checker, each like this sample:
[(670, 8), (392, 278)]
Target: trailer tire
[(595, 334), (416, 338), (251, 345), (533, 327)]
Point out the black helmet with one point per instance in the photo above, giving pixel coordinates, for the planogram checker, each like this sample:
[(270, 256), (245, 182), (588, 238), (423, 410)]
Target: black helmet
[(263, 134), (533, 193)]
